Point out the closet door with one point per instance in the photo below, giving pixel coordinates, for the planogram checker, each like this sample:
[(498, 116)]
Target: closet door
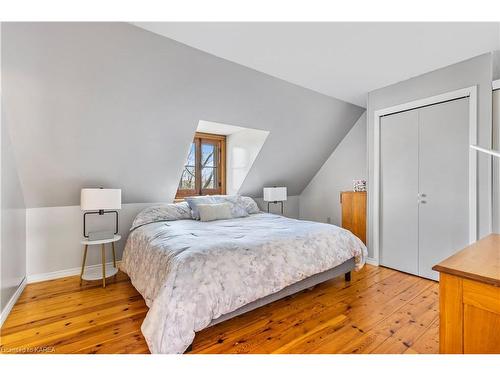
[(398, 191), (443, 182)]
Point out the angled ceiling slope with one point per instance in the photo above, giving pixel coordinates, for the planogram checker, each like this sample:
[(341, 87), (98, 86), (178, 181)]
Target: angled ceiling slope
[(113, 105), (344, 60)]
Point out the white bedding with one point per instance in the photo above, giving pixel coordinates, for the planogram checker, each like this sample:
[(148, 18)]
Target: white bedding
[(191, 272)]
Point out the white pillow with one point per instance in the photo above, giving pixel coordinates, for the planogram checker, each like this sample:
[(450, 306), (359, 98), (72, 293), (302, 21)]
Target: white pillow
[(215, 211), (237, 208), (162, 212), (250, 205)]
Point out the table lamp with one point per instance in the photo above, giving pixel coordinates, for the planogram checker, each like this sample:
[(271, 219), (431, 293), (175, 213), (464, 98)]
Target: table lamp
[(99, 202), (275, 195)]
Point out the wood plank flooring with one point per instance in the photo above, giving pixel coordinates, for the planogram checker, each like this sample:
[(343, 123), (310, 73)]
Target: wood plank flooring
[(379, 311)]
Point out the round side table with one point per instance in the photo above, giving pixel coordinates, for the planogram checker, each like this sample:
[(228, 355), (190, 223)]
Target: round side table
[(94, 274)]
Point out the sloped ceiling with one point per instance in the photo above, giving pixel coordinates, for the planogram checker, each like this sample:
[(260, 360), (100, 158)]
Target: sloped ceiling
[(113, 105), (345, 60)]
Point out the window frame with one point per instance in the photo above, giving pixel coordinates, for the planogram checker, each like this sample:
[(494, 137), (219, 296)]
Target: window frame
[(220, 161)]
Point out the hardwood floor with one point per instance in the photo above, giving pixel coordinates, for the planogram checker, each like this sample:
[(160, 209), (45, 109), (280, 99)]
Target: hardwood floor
[(379, 311)]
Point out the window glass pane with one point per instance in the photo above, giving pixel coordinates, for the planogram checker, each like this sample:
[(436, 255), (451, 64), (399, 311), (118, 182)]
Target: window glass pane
[(191, 160), (201, 171), (187, 179), (208, 178), (207, 155)]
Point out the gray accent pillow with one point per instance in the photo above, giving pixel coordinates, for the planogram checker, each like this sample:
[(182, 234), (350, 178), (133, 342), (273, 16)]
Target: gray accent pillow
[(215, 211), (193, 203), (162, 212)]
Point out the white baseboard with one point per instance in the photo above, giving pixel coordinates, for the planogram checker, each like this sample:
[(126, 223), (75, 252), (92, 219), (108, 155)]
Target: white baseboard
[(65, 273), (372, 261), (6, 311)]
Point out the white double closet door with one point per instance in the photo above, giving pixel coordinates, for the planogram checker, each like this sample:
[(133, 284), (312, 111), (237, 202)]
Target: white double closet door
[(424, 185)]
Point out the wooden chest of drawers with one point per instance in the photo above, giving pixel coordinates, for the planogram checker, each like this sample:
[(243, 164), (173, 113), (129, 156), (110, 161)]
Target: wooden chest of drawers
[(354, 212), (469, 300)]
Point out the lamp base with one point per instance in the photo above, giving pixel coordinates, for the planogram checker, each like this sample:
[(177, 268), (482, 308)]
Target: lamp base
[(101, 235), (100, 212), (275, 202)]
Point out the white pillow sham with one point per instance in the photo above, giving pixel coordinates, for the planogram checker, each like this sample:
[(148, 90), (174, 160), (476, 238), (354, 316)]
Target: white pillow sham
[(250, 205), (162, 212)]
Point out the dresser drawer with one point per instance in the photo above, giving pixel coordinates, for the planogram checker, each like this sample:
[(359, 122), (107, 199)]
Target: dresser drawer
[(480, 295)]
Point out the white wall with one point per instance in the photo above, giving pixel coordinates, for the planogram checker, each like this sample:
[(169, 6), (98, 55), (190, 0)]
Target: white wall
[(320, 200), (12, 218), (242, 148), (496, 144), (496, 162), (53, 236)]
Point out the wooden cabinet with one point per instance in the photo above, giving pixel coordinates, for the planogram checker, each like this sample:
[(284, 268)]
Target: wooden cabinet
[(469, 300), (354, 212)]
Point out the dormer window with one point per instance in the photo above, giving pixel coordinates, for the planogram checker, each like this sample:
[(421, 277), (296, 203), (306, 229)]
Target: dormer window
[(205, 170)]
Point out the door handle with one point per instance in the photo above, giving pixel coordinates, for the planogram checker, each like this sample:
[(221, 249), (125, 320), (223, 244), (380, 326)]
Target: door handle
[(421, 195)]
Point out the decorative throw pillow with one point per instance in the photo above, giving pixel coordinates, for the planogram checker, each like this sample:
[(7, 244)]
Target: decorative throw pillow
[(193, 203), (215, 211), (250, 205), (162, 212)]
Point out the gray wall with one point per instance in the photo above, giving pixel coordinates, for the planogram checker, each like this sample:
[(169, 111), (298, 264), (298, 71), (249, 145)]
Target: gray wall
[(113, 105), (475, 71), (320, 200), (496, 144), (496, 162), (13, 217), (496, 65)]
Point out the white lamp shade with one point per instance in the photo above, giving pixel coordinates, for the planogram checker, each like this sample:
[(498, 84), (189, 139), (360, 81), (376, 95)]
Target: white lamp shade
[(101, 199), (275, 194)]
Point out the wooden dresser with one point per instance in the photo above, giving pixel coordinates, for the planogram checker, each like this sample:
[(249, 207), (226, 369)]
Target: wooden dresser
[(469, 299), (354, 212)]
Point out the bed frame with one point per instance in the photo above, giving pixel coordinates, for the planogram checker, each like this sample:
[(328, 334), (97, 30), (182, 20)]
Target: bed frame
[(344, 268)]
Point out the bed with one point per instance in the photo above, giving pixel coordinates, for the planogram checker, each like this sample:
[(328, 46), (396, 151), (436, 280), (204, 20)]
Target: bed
[(194, 274)]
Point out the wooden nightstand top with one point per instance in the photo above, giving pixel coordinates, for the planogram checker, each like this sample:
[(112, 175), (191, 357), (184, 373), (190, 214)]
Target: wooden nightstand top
[(479, 261)]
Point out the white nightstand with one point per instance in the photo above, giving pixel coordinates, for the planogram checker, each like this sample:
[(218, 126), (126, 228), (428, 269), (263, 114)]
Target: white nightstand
[(96, 274)]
